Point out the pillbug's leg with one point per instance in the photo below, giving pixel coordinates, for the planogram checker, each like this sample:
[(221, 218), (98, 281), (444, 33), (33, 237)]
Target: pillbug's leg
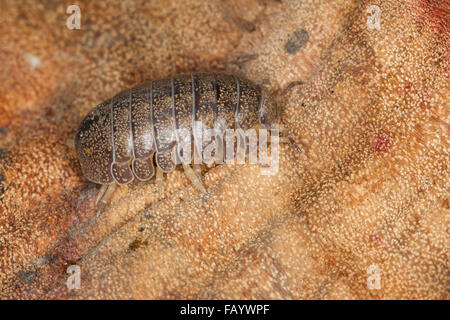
[(193, 178), (101, 192), (104, 199), (109, 192), (196, 166), (198, 171), (289, 140), (159, 177)]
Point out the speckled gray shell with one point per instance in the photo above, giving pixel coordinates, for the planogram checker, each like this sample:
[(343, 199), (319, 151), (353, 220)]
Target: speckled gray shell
[(118, 139)]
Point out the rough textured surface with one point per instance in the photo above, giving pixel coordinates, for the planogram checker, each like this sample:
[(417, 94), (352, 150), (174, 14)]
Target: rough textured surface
[(370, 189)]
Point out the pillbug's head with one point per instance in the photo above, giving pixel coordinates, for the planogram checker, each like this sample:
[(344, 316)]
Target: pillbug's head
[(268, 111), (93, 145)]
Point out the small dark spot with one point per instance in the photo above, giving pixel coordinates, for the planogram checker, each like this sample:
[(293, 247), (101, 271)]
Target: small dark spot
[(26, 276), (141, 229), (303, 104), (300, 213), (205, 200), (49, 112), (376, 239), (3, 188), (246, 25), (65, 264), (297, 41), (136, 244), (3, 129), (5, 158)]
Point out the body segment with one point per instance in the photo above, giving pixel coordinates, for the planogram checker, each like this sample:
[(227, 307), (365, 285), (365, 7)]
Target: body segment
[(142, 132)]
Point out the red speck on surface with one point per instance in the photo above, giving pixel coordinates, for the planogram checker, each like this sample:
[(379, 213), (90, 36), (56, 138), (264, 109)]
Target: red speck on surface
[(434, 13), (376, 239), (70, 249), (381, 143), (425, 105), (407, 88), (425, 101)]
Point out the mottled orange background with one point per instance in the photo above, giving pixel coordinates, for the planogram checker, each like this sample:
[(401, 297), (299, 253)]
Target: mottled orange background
[(369, 192)]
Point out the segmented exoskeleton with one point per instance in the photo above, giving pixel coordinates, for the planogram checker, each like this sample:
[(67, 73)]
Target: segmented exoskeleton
[(118, 140)]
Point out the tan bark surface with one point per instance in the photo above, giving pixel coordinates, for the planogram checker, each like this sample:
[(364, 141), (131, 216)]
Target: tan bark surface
[(370, 189)]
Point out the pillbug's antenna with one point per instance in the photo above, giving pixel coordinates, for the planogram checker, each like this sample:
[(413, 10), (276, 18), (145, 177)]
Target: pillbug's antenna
[(290, 86), (285, 92)]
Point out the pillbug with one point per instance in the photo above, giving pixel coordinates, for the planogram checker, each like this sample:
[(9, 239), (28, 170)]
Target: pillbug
[(124, 137)]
